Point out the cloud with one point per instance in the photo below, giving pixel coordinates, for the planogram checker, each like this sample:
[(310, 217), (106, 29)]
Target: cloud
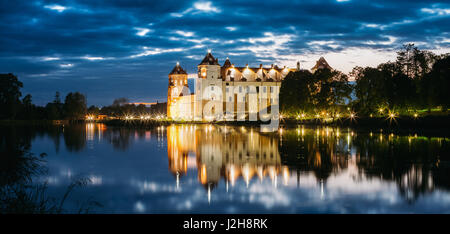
[(184, 34), (155, 51), (206, 7), (134, 38), (142, 31), (66, 65), (56, 7), (198, 8), (436, 11), (92, 58)]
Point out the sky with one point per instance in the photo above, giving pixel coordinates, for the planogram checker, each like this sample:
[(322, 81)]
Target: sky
[(126, 48)]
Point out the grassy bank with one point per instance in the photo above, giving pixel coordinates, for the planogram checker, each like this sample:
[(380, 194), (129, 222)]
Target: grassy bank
[(431, 123)]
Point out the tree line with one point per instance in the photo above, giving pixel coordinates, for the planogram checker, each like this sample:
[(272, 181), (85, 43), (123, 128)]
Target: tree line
[(418, 81), (14, 107), (74, 106)]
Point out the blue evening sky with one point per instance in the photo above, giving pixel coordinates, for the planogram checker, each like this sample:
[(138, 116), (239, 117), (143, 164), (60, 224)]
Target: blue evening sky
[(126, 48)]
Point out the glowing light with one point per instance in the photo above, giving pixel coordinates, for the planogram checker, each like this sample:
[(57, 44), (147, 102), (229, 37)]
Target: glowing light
[(391, 116), (416, 115), (337, 115)]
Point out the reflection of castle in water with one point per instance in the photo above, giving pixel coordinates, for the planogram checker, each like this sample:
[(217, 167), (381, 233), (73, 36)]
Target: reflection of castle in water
[(234, 153), (418, 165), (223, 152)]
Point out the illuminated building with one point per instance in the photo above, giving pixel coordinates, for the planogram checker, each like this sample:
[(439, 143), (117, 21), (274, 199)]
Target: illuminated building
[(218, 85)]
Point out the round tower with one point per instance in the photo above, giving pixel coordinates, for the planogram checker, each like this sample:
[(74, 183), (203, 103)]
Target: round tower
[(177, 80)]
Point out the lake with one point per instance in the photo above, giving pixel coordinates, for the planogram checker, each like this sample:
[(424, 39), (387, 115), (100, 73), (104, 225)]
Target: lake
[(224, 169)]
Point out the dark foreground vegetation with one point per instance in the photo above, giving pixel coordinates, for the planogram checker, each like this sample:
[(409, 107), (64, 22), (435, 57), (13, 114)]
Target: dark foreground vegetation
[(19, 170)]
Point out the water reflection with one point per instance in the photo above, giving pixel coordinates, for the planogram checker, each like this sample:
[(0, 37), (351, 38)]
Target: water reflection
[(223, 152), (215, 168), (230, 153)]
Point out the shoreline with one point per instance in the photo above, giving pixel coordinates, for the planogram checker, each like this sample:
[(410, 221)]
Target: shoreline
[(436, 125)]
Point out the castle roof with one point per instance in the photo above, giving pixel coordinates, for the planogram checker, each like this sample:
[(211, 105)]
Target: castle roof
[(178, 70), (321, 63), (227, 63), (209, 60)]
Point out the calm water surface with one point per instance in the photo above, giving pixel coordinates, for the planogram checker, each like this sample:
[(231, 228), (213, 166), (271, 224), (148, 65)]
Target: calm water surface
[(219, 169)]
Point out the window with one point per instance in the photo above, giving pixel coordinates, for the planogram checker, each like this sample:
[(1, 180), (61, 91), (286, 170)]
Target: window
[(229, 99), (243, 99), (227, 90), (212, 88), (271, 89), (240, 89), (264, 89)]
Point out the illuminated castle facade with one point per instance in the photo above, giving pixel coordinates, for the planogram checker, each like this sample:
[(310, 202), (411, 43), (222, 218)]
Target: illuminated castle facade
[(216, 85)]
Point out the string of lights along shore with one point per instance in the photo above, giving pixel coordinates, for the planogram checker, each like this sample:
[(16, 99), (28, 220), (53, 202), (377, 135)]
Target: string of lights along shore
[(224, 84)]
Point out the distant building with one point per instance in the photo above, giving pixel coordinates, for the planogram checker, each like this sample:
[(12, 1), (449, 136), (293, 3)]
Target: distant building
[(320, 64)]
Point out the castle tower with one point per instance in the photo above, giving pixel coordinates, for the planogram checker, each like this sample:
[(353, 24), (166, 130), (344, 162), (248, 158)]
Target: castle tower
[(209, 68), (177, 80), (209, 81)]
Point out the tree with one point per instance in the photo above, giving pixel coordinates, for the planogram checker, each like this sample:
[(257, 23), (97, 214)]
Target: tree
[(57, 98), (296, 92), (27, 110), (370, 89), (54, 110), (75, 106), (9, 95), (322, 98), (120, 101), (340, 91), (93, 110), (437, 83)]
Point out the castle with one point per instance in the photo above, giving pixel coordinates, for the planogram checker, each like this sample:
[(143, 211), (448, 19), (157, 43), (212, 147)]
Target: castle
[(229, 92)]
